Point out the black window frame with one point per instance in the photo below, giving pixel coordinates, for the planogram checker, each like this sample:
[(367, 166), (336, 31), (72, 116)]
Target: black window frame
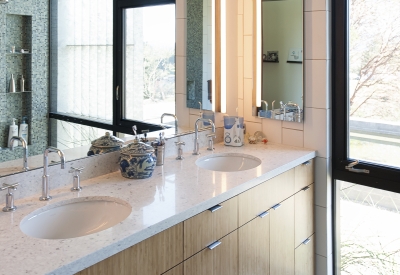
[(118, 125), (380, 176)]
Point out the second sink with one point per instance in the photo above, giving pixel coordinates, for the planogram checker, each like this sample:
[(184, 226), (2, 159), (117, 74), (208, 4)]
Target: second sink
[(228, 162)]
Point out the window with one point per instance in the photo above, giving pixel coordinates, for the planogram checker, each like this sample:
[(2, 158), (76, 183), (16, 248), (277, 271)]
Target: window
[(366, 140), (112, 63)]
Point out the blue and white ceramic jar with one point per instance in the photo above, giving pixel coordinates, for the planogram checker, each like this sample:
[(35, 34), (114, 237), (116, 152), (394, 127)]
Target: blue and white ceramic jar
[(137, 160), (105, 144)]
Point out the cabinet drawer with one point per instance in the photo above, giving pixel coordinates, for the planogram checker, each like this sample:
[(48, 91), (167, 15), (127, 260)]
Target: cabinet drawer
[(304, 214), (206, 227), (304, 257), (304, 174), (222, 259)]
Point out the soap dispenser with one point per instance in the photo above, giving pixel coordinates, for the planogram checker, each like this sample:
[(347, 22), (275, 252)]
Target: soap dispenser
[(13, 132), (23, 130)]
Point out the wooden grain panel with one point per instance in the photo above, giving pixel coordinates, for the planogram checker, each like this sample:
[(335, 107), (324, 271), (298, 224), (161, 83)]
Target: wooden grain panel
[(304, 215), (199, 264), (225, 256), (253, 202), (280, 188), (282, 239), (254, 247), (304, 258), (207, 227), (197, 233), (177, 270), (304, 175), (152, 256), (225, 220)]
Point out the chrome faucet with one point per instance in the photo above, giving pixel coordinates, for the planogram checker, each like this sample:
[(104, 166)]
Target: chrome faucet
[(266, 104), (176, 120), (45, 179), (288, 105), (25, 146), (196, 133)]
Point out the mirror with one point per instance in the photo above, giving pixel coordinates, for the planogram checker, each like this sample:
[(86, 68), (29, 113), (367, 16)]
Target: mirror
[(35, 104), (281, 60), (199, 54)]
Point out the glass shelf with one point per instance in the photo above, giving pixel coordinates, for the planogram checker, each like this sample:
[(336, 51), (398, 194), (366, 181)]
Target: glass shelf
[(18, 53), (25, 92)]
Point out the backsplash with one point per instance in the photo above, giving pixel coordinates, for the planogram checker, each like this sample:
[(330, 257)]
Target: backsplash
[(30, 183)]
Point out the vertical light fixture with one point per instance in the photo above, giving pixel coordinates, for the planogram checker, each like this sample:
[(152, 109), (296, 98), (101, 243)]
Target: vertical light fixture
[(213, 59), (223, 55), (258, 52)]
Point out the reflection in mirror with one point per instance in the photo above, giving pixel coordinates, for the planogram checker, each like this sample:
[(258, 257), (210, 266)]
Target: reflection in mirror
[(281, 60), (149, 60), (199, 54)]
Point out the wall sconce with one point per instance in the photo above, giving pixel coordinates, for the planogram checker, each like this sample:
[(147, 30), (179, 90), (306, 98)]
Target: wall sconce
[(258, 81), (219, 76)]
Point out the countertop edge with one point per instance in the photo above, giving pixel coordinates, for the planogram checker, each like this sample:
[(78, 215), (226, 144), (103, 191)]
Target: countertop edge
[(135, 238)]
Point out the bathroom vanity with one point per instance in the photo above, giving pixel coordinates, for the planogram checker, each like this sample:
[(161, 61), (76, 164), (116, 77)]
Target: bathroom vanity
[(185, 220)]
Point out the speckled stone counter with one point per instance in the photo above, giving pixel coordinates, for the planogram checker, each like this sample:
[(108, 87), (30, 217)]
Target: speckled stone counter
[(176, 191)]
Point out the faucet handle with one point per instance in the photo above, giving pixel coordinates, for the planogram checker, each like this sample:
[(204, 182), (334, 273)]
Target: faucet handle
[(76, 185), (10, 207), (76, 170), (211, 142), (180, 151)]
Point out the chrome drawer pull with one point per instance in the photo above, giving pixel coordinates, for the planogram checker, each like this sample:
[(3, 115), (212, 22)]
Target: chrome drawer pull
[(215, 208), (263, 214), (306, 188), (276, 206), (306, 163), (214, 245), (306, 241)]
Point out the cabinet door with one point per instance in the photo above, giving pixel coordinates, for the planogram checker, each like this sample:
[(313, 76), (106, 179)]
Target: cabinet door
[(152, 256), (304, 175), (206, 227), (282, 238), (304, 214), (280, 188), (304, 257), (222, 259), (253, 202), (254, 247), (177, 270)]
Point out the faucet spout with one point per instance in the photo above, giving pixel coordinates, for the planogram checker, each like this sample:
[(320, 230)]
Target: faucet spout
[(25, 146), (176, 120), (45, 179), (196, 133)]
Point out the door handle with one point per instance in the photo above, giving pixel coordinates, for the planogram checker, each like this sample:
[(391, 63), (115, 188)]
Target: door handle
[(214, 245), (215, 208)]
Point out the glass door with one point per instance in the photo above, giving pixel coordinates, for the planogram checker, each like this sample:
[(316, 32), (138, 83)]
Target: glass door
[(366, 135)]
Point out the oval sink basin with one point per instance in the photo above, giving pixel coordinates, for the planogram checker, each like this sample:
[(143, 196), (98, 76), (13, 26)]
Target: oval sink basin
[(229, 162), (75, 218)]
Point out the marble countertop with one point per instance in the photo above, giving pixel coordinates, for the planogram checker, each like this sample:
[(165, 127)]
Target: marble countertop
[(176, 191)]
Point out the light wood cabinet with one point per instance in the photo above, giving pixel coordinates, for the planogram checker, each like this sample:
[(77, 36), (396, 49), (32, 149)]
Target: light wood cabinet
[(177, 270), (304, 175), (304, 214), (250, 245), (282, 238), (304, 257), (207, 227), (154, 255), (254, 247), (223, 259)]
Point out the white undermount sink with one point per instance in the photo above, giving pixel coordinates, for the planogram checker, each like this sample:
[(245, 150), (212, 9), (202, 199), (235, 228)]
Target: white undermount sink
[(75, 218), (228, 162)]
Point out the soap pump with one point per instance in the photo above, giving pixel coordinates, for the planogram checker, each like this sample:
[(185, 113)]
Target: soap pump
[(13, 132)]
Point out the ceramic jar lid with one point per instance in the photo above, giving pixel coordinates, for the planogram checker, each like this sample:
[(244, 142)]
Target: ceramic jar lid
[(137, 149), (107, 141)]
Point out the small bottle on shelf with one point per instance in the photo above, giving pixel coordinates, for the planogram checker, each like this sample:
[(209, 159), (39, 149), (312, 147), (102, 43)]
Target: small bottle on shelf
[(22, 83), (12, 84)]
